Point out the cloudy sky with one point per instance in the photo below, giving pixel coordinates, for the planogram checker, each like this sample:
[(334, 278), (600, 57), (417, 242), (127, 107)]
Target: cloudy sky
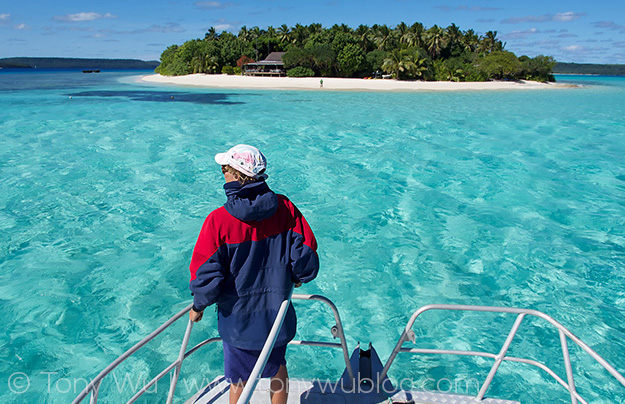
[(569, 30)]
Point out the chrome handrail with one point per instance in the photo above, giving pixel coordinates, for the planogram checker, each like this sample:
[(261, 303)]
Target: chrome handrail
[(94, 386), (569, 385), (337, 331)]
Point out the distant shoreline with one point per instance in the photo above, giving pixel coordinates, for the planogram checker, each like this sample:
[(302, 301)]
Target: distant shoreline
[(75, 63), (338, 84)]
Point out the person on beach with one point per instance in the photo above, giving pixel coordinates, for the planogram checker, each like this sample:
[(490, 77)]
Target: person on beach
[(321, 83), (248, 256)]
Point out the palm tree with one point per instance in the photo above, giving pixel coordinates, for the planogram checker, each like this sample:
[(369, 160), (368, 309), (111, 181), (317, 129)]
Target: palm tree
[(341, 28), (315, 28), (489, 43), (211, 34), (393, 63), (400, 61), (212, 64), (363, 33), (270, 37), (383, 37), (299, 35), (417, 30), (454, 34), (436, 40), (471, 40), (243, 34), (419, 67), (452, 73), (254, 35), (403, 33), (283, 33), (198, 63)]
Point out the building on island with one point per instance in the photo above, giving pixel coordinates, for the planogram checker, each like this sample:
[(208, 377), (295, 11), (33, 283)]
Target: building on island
[(272, 65)]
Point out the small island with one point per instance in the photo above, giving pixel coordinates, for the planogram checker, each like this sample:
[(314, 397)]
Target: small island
[(405, 52)]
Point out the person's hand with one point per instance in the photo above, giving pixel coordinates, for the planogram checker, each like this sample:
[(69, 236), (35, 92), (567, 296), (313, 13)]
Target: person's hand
[(298, 284), (195, 316)]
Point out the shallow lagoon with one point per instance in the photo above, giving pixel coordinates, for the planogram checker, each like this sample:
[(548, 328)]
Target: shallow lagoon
[(512, 198)]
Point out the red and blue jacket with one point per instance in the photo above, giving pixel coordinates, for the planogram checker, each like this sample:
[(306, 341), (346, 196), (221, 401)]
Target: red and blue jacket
[(247, 257)]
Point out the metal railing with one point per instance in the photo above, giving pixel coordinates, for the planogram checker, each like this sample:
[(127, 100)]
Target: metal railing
[(93, 387), (261, 362), (569, 385)]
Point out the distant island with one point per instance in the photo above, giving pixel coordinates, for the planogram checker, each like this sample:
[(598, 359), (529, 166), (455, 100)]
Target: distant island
[(588, 68), (404, 52), (76, 63)]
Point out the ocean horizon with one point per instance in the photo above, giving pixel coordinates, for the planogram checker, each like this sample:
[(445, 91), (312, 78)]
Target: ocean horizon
[(504, 198)]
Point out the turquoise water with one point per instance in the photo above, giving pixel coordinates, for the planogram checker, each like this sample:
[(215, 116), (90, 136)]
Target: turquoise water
[(512, 198)]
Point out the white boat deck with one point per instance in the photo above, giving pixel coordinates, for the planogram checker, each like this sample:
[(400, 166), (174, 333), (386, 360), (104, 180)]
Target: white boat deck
[(309, 392)]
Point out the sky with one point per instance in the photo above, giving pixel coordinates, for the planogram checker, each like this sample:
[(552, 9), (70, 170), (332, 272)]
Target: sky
[(569, 30)]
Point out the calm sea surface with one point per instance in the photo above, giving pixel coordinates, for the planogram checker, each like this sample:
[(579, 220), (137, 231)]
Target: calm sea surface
[(511, 198)]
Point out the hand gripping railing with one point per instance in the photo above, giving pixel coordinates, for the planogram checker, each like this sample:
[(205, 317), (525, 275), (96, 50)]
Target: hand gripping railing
[(94, 386), (569, 385)]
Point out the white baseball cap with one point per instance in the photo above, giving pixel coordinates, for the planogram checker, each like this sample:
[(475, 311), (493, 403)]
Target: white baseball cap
[(246, 159)]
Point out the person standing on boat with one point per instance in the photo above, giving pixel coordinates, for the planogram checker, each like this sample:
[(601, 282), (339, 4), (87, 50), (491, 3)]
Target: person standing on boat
[(249, 254)]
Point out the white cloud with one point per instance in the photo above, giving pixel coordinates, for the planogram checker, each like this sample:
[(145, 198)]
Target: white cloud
[(212, 4), (446, 8), (166, 28), (223, 27), (578, 50), (568, 16), (478, 8), (611, 25), (5, 17), (519, 34), (573, 48), (559, 17), (21, 26), (158, 28), (223, 24), (80, 17)]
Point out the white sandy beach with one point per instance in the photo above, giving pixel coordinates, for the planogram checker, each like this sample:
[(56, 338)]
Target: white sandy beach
[(332, 83)]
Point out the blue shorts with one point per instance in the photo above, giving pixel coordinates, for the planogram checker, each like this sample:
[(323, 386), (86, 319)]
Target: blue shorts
[(238, 363)]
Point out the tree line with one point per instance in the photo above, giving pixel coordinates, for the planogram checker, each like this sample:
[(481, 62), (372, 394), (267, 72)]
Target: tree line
[(589, 68), (75, 63), (407, 52)]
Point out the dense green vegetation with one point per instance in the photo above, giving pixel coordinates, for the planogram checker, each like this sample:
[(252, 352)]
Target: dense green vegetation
[(406, 52), (73, 63), (586, 68)]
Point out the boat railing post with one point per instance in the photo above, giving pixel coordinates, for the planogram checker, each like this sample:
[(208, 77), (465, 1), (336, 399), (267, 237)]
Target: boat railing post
[(341, 333), (391, 358), (265, 352), (93, 398), (95, 383), (337, 330), (567, 365), (499, 358), (183, 349), (405, 336)]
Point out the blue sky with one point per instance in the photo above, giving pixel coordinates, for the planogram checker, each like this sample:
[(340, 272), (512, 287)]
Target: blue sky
[(571, 31)]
